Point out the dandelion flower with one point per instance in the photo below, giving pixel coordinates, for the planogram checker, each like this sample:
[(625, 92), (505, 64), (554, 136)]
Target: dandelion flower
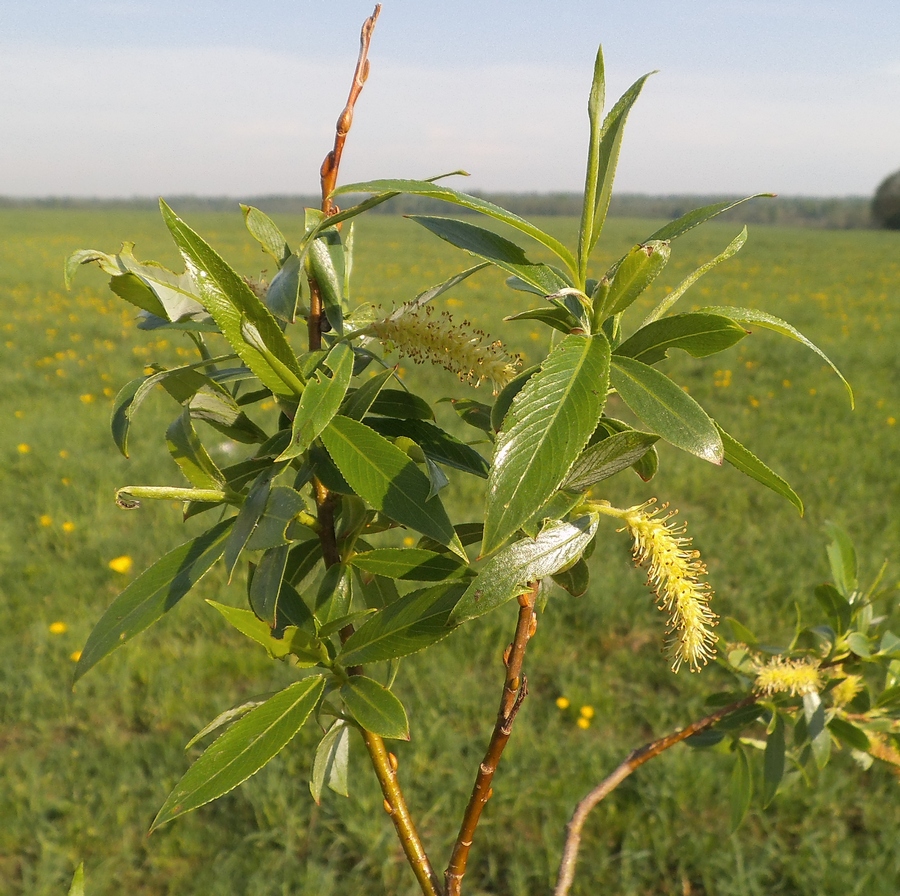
[(22, 448), (58, 628), (75, 656), (121, 564), (586, 712), (46, 520), (563, 702), (583, 723), (87, 398), (673, 571), (68, 526), (417, 333), (785, 676)]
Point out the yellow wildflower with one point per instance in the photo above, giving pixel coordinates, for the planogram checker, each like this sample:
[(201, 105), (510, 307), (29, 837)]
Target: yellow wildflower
[(409, 541), (22, 448), (785, 676), (64, 454), (58, 628), (68, 526), (121, 564), (673, 573), (562, 702), (75, 656), (46, 520), (583, 723), (586, 712), (87, 398)]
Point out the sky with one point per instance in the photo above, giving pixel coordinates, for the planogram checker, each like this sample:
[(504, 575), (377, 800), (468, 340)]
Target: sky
[(157, 97)]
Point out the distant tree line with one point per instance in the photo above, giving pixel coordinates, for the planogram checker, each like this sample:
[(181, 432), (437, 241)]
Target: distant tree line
[(842, 213)]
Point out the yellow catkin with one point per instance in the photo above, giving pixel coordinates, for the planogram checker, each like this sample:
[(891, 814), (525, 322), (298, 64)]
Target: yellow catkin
[(417, 333), (674, 570), (786, 676)]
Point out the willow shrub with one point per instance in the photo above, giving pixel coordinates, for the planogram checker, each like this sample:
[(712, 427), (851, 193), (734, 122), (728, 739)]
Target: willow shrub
[(314, 506)]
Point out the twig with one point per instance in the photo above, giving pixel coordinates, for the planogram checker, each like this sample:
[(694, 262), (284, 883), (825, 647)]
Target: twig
[(515, 689), (634, 761)]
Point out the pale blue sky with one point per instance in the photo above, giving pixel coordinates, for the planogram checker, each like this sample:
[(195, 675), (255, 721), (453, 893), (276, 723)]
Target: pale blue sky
[(149, 97)]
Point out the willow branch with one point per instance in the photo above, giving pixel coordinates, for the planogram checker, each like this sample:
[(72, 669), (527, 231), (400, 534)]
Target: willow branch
[(634, 761), (515, 689)]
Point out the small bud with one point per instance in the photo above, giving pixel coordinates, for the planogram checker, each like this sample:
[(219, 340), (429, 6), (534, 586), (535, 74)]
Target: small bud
[(506, 654), (387, 808), (392, 759)]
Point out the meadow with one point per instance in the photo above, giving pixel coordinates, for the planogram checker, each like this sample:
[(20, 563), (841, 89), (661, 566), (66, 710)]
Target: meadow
[(83, 773)]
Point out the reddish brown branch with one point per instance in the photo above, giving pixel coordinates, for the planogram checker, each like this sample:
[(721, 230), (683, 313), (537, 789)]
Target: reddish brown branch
[(515, 689), (634, 761)]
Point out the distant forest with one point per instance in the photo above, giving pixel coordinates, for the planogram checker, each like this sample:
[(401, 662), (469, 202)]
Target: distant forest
[(842, 213)]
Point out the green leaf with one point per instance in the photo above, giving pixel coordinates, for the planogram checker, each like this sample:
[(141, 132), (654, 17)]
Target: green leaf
[(751, 316), (741, 789), (326, 262), (243, 749), (271, 530), (382, 474), (426, 188), (322, 396), (153, 593), (226, 717), (700, 335), (265, 231), (402, 405), (408, 624), (576, 579), (730, 250), (849, 734), (375, 708), (608, 158), (265, 585), (548, 425), (248, 516), (842, 559), (692, 219), (77, 887), (359, 401), (376, 591), (633, 274), (507, 394), (745, 461), (645, 466), (247, 623), (283, 295), (667, 410), (440, 446), (773, 761), (330, 764), (410, 564), (335, 594), (608, 457), (859, 644), (524, 562), (493, 248), (475, 413), (836, 607), (231, 302), (596, 101), (559, 318), (190, 455)]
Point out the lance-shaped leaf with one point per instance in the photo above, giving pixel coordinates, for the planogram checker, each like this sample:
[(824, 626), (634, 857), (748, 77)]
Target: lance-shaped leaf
[(607, 158), (283, 295), (402, 405), (697, 216), (244, 748), (633, 274), (77, 886), (405, 626), (731, 249), (375, 707), (752, 316), (474, 203), (524, 562), (745, 461), (153, 593), (548, 425), (773, 761), (576, 579), (608, 457), (320, 401), (411, 564), (266, 232), (494, 248), (700, 335), (667, 410), (232, 303), (282, 507), (330, 764), (741, 788), (254, 628), (326, 262), (559, 318), (842, 560), (383, 475), (265, 585), (357, 403), (248, 516), (190, 455)]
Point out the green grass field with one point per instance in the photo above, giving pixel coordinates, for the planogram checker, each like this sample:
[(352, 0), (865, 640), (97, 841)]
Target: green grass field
[(82, 774)]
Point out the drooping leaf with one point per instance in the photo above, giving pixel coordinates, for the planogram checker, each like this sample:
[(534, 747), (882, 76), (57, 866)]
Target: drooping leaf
[(190, 455), (248, 516), (515, 568), (326, 261), (330, 764), (283, 295), (741, 788), (559, 318), (475, 413), (271, 530), (320, 401), (849, 734), (576, 579), (700, 335), (153, 593), (667, 410), (751, 316), (773, 760), (645, 466), (386, 478), (608, 457), (265, 586), (233, 304), (408, 624), (410, 564), (547, 427), (738, 456), (244, 748), (474, 203), (375, 707), (494, 248), (402, 405)]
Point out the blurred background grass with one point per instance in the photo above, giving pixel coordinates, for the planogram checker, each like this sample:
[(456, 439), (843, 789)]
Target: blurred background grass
[(83, 773)]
